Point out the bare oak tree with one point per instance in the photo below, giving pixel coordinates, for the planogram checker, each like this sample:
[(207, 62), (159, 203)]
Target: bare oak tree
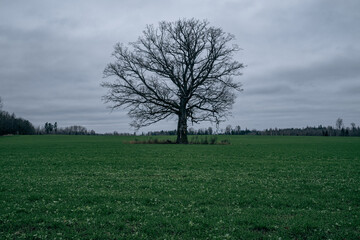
[(183, 69)]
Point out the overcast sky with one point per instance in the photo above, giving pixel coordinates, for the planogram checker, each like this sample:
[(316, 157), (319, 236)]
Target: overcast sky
[(302, 57)]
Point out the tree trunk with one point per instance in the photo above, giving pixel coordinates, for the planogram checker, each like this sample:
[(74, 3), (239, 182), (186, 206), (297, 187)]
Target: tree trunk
[(182, 125)]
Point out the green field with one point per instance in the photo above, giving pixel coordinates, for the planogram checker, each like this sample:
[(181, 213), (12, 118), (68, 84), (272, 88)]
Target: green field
[(97, 187)]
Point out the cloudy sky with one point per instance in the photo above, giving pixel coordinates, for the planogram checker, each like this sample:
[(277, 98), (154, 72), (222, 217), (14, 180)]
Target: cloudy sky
[(302, 57)]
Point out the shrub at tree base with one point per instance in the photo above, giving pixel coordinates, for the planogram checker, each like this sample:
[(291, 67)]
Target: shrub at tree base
[(194, 140)]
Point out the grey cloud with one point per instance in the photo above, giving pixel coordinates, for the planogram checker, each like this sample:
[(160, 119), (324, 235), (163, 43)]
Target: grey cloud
[(302, 58), (337, 68)]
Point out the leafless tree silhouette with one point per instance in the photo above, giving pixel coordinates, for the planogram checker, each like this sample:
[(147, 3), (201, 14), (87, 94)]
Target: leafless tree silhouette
[(183, 68), (339, 123)]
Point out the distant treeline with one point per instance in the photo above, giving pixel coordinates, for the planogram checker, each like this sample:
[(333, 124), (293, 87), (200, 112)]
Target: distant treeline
[(320, 130), (308, 131), (50, 128), (10, 124)]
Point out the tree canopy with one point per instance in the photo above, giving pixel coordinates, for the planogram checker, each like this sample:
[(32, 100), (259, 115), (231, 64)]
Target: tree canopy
[(183, 69)]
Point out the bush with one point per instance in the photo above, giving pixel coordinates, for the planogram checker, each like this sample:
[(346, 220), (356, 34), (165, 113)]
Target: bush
[(151, 141), (192, 140)]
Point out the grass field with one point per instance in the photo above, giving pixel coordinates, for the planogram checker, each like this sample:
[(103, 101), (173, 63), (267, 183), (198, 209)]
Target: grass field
[(97, 187)]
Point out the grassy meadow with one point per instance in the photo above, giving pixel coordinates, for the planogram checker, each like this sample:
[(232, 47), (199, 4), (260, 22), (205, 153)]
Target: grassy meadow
[(258, 187)]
